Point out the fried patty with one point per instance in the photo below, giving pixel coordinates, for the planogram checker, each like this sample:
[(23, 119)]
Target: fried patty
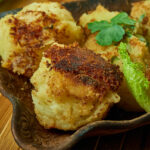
[(84, 66), (99, 14), (76, 87), (24, 36)]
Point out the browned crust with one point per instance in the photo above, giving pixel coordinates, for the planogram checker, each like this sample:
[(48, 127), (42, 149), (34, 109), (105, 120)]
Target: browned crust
[(30, 37), (84, 66), (27, 60)]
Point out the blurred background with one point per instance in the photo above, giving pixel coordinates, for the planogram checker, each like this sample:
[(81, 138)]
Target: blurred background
[(13, 4)]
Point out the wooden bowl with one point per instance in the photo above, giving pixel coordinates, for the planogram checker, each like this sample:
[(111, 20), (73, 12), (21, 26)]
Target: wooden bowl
[(25, 128)]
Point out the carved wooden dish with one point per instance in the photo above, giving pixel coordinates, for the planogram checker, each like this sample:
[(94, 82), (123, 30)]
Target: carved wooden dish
[(26, 130)]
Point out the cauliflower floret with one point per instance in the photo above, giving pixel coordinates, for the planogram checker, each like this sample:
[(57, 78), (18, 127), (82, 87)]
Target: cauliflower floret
[(24, 36), (76, 87)]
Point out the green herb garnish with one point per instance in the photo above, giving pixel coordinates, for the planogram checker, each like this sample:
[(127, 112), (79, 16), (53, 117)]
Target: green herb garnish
[(123, 18), (135, 78), (113, 31)]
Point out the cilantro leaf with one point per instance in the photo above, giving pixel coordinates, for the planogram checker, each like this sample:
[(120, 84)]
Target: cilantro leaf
[(114, 33), (98, 25), (135, 78), (122, 18)]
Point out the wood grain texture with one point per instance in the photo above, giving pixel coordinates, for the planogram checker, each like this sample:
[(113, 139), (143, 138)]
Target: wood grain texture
[(6, 139)]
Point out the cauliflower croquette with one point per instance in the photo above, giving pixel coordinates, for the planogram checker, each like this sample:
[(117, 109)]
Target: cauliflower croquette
[(24, 36), (99, 14), (138, 10), (107, 52), (76, 87), (139, 52)]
